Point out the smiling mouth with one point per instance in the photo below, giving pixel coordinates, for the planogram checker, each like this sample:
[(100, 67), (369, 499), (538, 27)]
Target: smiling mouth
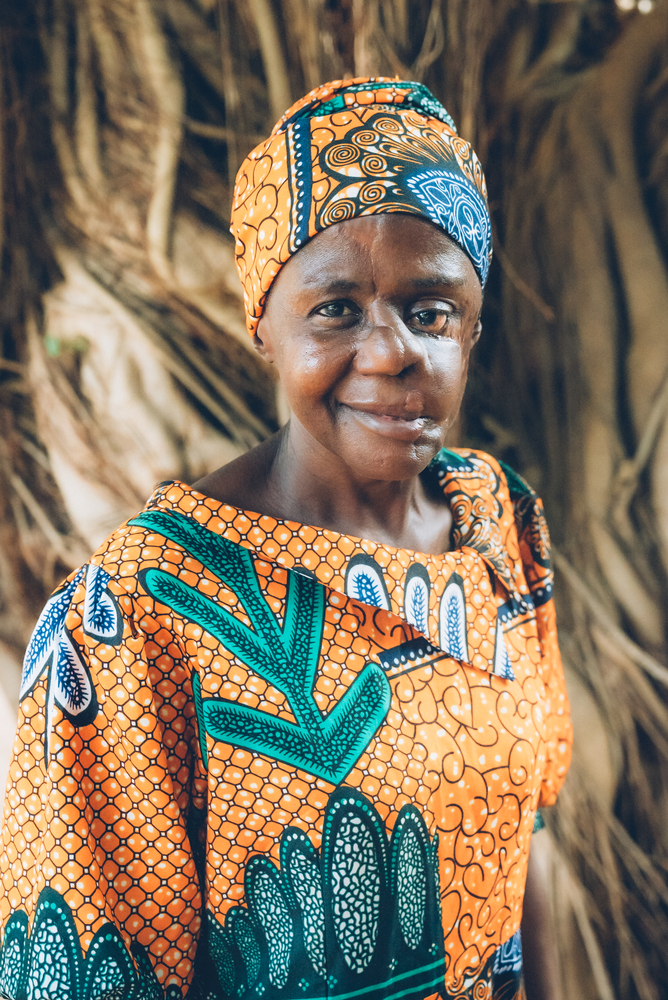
[(406, 427)]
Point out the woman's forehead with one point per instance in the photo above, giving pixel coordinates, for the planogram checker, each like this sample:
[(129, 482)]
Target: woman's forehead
[(403, 248)]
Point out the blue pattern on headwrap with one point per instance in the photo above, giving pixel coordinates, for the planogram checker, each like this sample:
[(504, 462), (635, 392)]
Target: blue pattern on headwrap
[(455, 205)]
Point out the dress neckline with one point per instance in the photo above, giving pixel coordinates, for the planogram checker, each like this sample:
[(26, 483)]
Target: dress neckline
[(472, 482)]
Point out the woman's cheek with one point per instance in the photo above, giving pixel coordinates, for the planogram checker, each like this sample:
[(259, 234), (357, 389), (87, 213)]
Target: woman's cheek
[(450, 375)]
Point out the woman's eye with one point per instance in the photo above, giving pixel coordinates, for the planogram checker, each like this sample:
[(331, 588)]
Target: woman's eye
[(434, 320), (335, 310)]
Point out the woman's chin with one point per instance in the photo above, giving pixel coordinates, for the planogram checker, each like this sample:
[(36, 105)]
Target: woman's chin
[(368, 449), (390, 459)]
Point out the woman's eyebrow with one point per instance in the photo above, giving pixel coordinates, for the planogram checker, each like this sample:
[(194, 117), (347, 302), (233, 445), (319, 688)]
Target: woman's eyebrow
[(438, 281), (343, 286), (339, 286)]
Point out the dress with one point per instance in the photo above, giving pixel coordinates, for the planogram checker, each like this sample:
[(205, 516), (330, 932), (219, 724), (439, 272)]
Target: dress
[(263, 760)]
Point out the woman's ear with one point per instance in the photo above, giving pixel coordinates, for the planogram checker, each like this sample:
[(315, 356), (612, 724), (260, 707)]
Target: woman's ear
[(477, 330), (262, 340)]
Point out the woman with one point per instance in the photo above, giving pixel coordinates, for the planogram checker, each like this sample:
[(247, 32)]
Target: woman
[(286, 734)]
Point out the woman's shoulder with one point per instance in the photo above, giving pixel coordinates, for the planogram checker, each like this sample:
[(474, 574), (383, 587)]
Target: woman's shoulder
[(493, 505)]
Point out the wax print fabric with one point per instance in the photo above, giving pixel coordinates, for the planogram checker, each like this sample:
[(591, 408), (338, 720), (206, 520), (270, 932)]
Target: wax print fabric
[(347, 149), (261, 759)]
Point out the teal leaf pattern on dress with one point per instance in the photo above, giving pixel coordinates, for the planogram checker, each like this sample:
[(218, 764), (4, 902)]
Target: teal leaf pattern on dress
[(245, 934), (412, 854), (359, 918), (301, 871), (199, 712), (268, 901), (46, 963), (284, 655), (357, 876), (14, 950), (54, 966), (110, 973)]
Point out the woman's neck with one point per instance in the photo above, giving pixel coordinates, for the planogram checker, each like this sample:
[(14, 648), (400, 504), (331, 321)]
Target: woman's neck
[(292, 477)]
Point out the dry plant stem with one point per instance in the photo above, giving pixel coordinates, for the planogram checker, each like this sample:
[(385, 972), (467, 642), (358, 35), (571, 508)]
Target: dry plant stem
[(432, 43), (169, 96), (477, 21), (230, 90), (248, 418), (578, 902), (271, 46), (221, 132), (35, 453), (391, 31), (303, 17), (547, 312), (628, 696), (2, 160), (55, 47), (71, 554), (633, 651), (365, 20), (628, 587), (201, 44), (88, 153), (189, 380), (628, 474)]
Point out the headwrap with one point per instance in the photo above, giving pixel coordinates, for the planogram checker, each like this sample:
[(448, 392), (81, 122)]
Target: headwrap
[(352, 148)]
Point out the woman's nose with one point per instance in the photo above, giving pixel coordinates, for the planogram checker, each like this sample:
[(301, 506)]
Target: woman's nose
[(388, 347)]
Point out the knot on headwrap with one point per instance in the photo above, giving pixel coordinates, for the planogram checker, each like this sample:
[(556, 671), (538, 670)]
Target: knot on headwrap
[(352, 148)]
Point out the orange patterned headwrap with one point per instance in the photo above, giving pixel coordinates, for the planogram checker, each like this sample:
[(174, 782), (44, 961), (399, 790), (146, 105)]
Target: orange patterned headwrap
[(351, 148)]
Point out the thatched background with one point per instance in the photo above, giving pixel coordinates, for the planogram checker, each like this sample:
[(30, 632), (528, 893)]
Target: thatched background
[(124, 360)]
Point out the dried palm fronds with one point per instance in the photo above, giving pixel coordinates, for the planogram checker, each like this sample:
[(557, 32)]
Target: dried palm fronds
[(124, 358)]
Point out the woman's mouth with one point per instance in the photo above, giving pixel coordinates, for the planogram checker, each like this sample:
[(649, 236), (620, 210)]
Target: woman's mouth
[(401, 426)]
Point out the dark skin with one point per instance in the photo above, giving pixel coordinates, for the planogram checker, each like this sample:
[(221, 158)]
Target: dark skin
[(370, 326), (541, 962)]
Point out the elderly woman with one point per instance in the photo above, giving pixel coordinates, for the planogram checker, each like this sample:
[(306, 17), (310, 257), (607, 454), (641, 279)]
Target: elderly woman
[(286, 733)]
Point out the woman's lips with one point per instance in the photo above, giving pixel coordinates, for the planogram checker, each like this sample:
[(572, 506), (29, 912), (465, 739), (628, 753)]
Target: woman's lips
[(402, 427)]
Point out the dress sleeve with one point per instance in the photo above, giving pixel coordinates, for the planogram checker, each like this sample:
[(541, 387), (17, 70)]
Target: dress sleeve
[(558, 719), (534, 542), (103, 811)]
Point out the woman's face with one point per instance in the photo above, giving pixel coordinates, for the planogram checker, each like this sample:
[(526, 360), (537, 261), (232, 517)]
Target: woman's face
[(370, 326)]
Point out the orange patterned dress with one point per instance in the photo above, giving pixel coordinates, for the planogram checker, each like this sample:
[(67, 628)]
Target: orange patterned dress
[(263, 760)]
